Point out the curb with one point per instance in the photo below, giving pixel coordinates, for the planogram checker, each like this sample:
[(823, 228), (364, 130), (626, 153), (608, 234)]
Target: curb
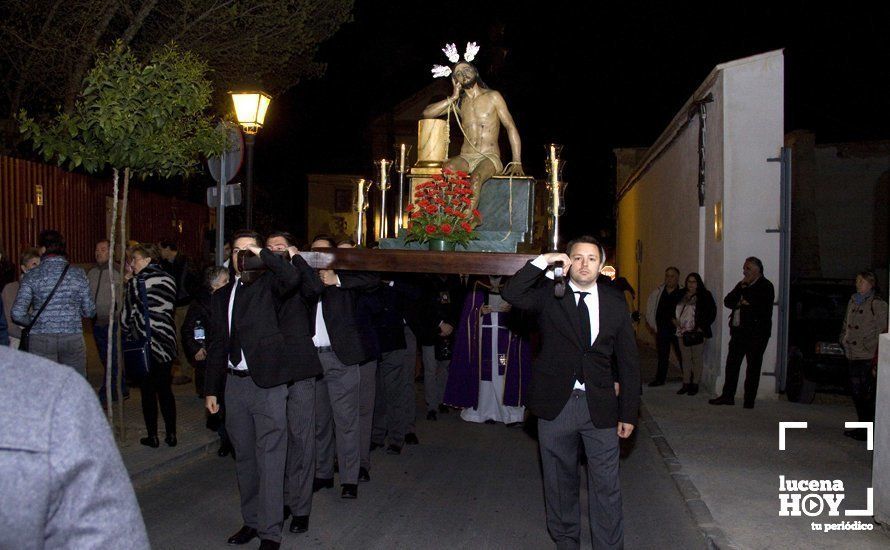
[(152, 473), (714, 535)]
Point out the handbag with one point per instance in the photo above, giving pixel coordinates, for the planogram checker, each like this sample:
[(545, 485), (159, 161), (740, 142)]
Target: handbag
[(693, 338), (25, 338), (137, 353)]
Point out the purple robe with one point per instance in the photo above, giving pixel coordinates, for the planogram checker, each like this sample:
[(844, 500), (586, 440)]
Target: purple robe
[(472, 357)]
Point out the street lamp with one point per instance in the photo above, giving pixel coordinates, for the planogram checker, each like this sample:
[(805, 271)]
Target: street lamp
[(250, 110)]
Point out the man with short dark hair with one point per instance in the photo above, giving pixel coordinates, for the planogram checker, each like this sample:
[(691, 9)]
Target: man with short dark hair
[(248, 356), (341, 350), (295, 324), (573, 390), (660, 312), (57, 333), (750, 328)]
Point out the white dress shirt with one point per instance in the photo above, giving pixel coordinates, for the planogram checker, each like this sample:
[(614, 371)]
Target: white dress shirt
[(592, 301), (243, 364), (321, 338)]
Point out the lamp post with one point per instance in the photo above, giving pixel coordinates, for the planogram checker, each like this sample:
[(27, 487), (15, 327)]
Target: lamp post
[(250, 110)]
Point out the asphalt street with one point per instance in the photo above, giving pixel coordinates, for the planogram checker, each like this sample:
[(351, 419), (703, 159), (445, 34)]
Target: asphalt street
[(465, 486)]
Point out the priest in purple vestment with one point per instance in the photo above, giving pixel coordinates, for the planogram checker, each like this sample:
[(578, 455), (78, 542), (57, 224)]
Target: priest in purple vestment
[(491, 362)]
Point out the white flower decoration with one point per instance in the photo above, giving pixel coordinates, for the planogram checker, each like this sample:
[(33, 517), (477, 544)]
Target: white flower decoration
[(441, 70), (471, 51), (451, 53)]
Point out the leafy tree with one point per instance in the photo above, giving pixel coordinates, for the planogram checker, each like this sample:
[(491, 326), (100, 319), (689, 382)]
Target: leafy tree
[(48, 45), (144, 119)]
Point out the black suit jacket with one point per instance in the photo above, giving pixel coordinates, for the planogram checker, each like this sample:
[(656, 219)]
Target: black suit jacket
[(348, 336), (255, 314), (757, 316), (296, 325), (563, 349)]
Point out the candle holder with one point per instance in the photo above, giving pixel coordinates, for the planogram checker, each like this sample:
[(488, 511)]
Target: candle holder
[(402, 151), (363, 187), (383, 168), (556, 189)]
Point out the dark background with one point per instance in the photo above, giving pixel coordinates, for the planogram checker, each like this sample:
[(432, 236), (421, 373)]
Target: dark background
[(592, 77)]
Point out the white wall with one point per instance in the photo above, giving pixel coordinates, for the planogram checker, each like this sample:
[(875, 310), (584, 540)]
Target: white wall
[(745, 126)]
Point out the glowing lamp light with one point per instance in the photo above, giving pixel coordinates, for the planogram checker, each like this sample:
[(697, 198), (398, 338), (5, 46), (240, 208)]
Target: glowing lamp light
[(250, 109), (608, 271)]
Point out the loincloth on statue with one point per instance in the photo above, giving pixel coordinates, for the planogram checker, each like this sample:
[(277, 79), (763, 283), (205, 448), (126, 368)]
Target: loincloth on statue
[(475, 159)]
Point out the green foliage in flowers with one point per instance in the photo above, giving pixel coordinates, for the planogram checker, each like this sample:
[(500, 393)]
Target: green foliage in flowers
[(148, 117), (442, 209)]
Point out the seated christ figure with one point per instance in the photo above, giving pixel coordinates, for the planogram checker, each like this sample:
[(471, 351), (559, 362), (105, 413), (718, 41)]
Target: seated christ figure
[(480, 113)]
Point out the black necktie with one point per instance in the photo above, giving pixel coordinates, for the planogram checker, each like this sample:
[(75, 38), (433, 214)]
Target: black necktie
[(234, 342), (584, 315)]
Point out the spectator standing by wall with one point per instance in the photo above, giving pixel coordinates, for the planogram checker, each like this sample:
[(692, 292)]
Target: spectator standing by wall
[(104, 282), (865, 320), (146, 282), (29, 259), (57, 332)]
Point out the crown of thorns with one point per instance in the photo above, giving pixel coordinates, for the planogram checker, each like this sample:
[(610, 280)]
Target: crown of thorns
[(450, 51)]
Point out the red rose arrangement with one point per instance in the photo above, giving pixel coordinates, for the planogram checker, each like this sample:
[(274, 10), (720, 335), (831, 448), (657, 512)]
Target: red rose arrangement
[(442, 209)]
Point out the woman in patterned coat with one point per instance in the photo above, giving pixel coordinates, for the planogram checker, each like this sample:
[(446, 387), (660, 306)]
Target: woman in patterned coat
[(146, 278)]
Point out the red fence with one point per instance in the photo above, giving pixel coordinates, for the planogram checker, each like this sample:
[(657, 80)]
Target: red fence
[(34, 197)]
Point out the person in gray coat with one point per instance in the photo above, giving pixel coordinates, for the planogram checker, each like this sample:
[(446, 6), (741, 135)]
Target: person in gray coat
[(62, 481)]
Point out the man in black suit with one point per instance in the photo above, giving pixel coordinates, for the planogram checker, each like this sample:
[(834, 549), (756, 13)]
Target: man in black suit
[(249, 356), (298, 331), (750, 327), (573, 390), (339, 341)]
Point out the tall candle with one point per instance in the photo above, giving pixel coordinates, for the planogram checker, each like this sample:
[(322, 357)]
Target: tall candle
[(361, 195), (402, 155)]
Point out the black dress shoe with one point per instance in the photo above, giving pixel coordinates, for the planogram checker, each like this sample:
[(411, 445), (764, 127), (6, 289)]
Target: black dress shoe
[(693, 389), (683, 389), (151, 441), (320, 483), (300, 524), (350, 490), (656, 383), (748, 405), (243, 536), (266, 544), (224, 449), (431, 415), (393, 450), (411, 439), (722, 401), (170, 440), (286, 513), (444, 409), (375, 446), (364, 475)]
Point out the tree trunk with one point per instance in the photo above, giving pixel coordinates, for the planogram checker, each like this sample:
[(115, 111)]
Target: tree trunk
[(138, 20), (110, 347), (120, 369)]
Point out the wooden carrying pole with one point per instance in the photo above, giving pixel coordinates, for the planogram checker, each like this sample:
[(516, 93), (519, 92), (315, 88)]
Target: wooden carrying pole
[(416, 261)]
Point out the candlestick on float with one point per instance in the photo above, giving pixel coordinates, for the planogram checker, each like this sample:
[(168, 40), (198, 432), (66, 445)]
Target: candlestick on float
[(383, 167), (361, 204), (556, 187), (402, 169)]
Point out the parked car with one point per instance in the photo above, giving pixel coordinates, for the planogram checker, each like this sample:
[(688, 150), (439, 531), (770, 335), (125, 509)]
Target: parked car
[(816, 359)]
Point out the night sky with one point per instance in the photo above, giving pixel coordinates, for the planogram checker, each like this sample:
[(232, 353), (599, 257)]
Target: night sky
[(590, 76)]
